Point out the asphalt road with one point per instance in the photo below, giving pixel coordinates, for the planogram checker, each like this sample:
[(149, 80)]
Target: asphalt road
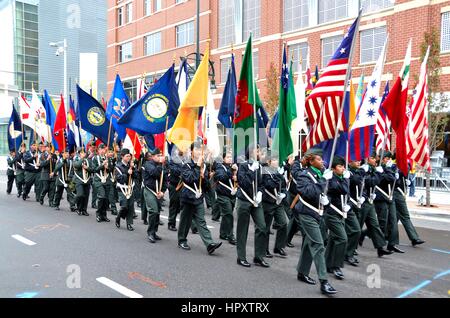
[(67, 245)]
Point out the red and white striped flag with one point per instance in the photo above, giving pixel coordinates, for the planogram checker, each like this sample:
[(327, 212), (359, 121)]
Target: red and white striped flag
[(383, 127), (324, 103), (417, 136), (133, 143)]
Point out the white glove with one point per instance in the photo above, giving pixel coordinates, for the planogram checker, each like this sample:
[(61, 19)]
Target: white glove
[(254, 166), (258, 198), (379, 169), (198, 195), (365, 167), (397, 176), (408, 183), (281, 196), (347, 174), (324, 200), (234, 191), (347, 208), (361, 200), (373, 196), (281, 170), (328, 174), (389, 164)]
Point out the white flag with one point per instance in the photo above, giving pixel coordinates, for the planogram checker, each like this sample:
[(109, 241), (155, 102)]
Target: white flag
[(211, 132)]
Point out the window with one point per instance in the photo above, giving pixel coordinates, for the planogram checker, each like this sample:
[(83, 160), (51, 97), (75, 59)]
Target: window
[(120, 16), (295, 14), (180, 1), (130, 88), (295, 52), (125, 52), (255, 63), (224, 68), (185, 34), (445, 32), (147, 7), (329, 47), (226, 23), (157, 5), (376, 5), (4, 140), (252, 17), (372, 42), (332, 10), (129, 7), (152, 44)]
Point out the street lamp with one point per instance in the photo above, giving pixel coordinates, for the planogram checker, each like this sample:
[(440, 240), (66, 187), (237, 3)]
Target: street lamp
[(61, 48)]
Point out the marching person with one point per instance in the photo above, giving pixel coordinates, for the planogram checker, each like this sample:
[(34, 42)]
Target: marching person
[(385, 205), (195, 178), (20, 172), (102, 168), (311, 187), (82, 178), (249, 199), (32, 167), (175, 184), (125, 175), (368, 214), (11, 170), (154, 178), (62, 169), (226, 178), (48, 163), (335, 214), (92, 150), (272, 204), (113, 194)]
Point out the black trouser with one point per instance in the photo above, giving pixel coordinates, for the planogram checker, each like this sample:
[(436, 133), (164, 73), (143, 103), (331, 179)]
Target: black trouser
[(126, 211), (82, 196), (174, 204), (30, 180), (48, 187), (20, 182), (11, 179), (59, 193), (103, 202)]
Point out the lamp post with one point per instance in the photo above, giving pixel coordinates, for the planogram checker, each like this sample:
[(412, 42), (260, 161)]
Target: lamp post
[(197, 60), (61, 48)]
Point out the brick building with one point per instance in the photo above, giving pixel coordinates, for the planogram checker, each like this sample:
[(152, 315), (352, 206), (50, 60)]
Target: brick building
[(145, 35)]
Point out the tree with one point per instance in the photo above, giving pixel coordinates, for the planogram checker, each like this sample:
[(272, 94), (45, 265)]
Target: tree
[(437, 119), (272, 90)]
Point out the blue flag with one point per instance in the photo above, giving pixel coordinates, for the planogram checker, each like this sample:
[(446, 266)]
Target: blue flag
[(228, 105), (117, 106), (31, 138), (93, 118), (51, 114), (14, 131), (148, 115), (273, 125)]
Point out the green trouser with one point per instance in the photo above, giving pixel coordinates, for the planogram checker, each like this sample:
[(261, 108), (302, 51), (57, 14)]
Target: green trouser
[(275, 212), (244, 210), (126, 208), (294, 223), (369, 217), (324, 231), (226, 205), (30, 180), (216, 209), (102, 196), (94, 197), (38, 186), (59, 193), (20, 181), (353, 231), (312, 248), (194, 212), (403, 216), (210, 198), (174, 204), (113, 196), (82, 196), (152, 208), (387, 217), (144, 212), (337, 241), (51, 192), (47, 188)]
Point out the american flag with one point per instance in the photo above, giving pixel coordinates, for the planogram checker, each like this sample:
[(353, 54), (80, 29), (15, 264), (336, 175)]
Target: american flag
[(417, 136), (383, 126), (324, 103)]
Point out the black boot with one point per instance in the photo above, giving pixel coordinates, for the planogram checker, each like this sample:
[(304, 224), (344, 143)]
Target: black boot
[(326, 288)]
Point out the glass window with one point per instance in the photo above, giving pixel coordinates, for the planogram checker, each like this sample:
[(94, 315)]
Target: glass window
[(252, 18), (376, 5), (372, 42), (125, 52), (445, 32), (224, 68), (120, 16), (332, 10), (157, 5), (152, 44), (295, 52), (147, 7), (4, 140), (129, 7), (185, 34), (329, 47), (295, 14), (226, 23)]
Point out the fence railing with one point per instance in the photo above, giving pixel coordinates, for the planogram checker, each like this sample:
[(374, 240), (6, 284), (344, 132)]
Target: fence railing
[(439, 179)]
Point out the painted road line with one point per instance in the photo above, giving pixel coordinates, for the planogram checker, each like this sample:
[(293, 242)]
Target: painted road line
[(441, 274), (166, 218), (440, 251), (429, 218), (118, 288), (22, 239), (414, 289)]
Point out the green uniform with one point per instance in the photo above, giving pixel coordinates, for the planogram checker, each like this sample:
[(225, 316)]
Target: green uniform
[(20, 174), (11, 173), (82, 179), (352, 227), (63, 179), (48, 162), (126, 198), (102, 183), (402, 212)]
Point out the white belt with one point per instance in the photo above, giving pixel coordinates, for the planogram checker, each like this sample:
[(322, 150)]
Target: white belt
[(275, 197), (248, 198), (384, 193), (197, 193), (232, 189), (318, 211), (63, 182), (354, 201), (101, 177), (81, 179), (125, 189), (401, 191), (343, 214)]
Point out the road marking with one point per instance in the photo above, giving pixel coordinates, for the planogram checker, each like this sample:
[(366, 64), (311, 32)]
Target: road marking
[(429, 218), (139, 276), (441, 274), (440, 251), (25, 241), (166, 218), (414, 289), (119, 288), (27, 295)]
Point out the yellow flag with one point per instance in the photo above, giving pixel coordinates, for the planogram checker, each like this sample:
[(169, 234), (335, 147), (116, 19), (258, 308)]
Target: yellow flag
[(184, 130), (353, 106)]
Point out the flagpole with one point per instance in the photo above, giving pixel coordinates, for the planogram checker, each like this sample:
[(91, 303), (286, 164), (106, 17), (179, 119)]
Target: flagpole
[(341, 109), (254, 118)]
